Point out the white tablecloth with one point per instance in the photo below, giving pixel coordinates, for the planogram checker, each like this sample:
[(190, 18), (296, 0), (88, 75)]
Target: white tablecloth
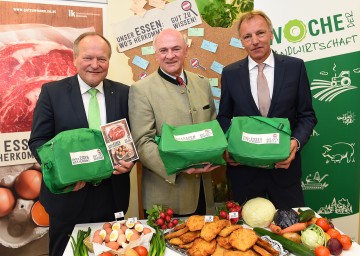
[(354, 250)]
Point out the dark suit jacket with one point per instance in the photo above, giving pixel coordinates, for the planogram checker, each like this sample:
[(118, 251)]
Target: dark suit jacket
[(291, 99), (59, 108)]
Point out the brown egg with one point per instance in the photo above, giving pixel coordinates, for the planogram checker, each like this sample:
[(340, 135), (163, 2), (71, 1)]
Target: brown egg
[(121, 239), (7, 201), (146, 231), (97, 239), (97, 232), (113, 245), (27, 184), (107, 238), (107, 225), (108, 230), (123, 228), (134, 237)]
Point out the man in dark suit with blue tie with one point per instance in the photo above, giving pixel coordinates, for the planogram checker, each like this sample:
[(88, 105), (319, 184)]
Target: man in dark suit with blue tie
[(64, 105), (287, 95)]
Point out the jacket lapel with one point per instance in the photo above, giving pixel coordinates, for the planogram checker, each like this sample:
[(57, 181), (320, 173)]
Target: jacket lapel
[(77, 102), (278, 80), (244, 78), (110, 101)]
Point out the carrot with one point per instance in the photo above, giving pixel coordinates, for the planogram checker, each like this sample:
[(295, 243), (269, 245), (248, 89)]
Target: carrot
[(295, 227), (275, 229)]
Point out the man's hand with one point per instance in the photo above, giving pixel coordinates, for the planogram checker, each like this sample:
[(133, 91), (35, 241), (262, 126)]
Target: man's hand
[(286, 163), (79, 185), (123, 167), (229, 160), (207, 168)]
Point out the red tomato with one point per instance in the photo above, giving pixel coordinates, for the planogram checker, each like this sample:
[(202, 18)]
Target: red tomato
[(345, 242), (322, 251), (323, 223), (333, 233), (106, 254), (141, 250)]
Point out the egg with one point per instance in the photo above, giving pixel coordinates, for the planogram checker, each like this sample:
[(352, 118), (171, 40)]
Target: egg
[(128, 234), (97, 232), (112, 245), (97, 239), (139, 227), (39, 215), (116, 226), (7, 201), (146, 231), (108, 230), (121, 239), (114, 236), (102, 233), (107, 225), (27, 184), (134, 237)]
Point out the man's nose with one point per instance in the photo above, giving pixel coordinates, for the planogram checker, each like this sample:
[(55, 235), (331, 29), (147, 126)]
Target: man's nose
[(170, 54)]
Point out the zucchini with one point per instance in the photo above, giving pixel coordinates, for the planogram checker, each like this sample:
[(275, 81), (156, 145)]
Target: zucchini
[(289, 245), (306, 215)]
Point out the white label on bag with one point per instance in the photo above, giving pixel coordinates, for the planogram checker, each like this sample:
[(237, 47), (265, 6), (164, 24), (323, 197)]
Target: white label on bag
[(268, 138), (194, 135), (85, 157)]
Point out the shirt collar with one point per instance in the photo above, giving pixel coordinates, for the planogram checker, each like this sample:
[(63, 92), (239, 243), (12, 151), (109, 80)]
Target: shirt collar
[(270, 61), (84, 87), (170, 78)]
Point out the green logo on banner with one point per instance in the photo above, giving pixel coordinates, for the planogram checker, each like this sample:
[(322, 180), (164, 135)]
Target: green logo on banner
[(295, 31)]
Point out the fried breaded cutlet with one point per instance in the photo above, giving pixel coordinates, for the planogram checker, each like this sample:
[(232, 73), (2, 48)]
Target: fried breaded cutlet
[(243, 239), (228, 230), (202, 248), (219, 251), (212, 229), (195, 222), (189, 236), (224, 242), (177, 233)]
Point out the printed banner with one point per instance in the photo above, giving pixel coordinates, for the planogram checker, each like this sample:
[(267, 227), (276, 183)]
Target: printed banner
[(325, 35), (137, 30)]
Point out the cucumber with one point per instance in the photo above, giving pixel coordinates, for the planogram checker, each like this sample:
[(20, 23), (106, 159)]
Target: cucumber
[(306, 215), (289, 245)]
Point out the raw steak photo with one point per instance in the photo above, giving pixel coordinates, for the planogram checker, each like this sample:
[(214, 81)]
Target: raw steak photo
[(24, 67)]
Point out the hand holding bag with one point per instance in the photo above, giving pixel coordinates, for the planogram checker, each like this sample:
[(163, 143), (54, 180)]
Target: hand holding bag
[(189, 146), (72, 156), (259, 141)]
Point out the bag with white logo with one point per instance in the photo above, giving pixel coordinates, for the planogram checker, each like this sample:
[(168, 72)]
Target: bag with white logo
[(259, 141), (72, 156), (193, 145)]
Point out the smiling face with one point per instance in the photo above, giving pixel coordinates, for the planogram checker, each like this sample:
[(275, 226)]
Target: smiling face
[(170, 51), (92, 59), (256, 36)]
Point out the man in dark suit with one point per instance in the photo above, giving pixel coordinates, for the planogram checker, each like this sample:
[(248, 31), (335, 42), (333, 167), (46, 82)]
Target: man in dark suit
[(64, 105), (289, 96)]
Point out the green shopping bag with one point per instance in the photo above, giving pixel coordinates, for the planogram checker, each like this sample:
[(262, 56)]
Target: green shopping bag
[(72, 156), (189, 146), (259, 141)]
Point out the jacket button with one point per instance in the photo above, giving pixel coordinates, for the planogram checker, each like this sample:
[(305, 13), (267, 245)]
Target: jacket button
[(182, 91)]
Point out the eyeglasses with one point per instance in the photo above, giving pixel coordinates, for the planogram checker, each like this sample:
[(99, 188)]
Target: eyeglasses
[(248, 37)]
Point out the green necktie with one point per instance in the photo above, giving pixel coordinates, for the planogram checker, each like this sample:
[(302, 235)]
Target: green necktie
[(94, 111)]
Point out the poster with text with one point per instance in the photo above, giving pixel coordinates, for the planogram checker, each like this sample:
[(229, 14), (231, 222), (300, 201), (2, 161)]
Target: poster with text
[(36, 42)]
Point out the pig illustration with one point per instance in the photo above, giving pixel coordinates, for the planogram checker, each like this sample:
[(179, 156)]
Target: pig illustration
[(338, 151)]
